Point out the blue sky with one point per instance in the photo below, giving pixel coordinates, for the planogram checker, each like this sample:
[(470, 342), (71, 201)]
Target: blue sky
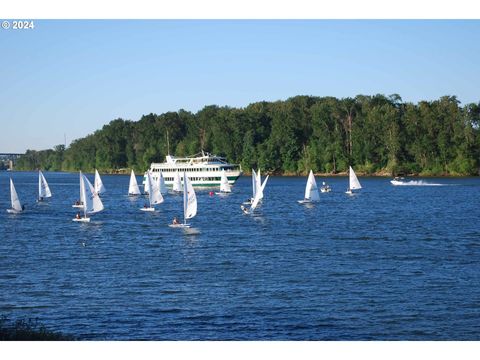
[(73, 77)]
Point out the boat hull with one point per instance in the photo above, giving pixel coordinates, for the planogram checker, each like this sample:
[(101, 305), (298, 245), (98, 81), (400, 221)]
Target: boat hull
[(83, 220), (305, 201), (149, 209), (13, 211), (200, 183), (179, 226)]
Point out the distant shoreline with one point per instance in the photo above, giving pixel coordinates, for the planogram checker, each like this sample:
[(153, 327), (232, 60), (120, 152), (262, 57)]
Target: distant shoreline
[(323, 175)]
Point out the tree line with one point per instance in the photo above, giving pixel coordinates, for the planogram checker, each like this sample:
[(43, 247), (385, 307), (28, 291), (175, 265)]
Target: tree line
[(374, 134)]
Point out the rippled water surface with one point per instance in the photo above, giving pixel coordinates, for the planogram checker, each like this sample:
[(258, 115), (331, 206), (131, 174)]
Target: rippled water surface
[(400, 263)]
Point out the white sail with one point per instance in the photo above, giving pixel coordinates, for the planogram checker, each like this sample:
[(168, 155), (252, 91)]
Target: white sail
[(189, 199), (43, 188), (163, 187), (82, 193), (257, 197), (93, 203), (133, 188), (154, 195), (146, 186), (177, 183), (354, 183), (311, 189), (14, 197), (254, 184), (99, 187), (224, 185), (85, 200), (259, 186)]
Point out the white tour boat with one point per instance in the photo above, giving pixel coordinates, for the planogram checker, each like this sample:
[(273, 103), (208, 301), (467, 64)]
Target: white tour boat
[(202, 170)]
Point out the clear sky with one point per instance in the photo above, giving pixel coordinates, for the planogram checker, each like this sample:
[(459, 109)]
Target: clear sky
[(73, 77)]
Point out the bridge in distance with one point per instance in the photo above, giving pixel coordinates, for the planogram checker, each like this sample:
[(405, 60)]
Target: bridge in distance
[(9, 159)]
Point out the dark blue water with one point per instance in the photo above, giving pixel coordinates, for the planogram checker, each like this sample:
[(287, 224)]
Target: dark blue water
[(391, 263)]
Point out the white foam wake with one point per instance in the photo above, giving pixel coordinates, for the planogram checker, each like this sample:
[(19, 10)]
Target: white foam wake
[(416, 183)]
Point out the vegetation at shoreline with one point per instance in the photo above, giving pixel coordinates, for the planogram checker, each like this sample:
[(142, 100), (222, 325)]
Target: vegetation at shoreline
[(28, 330), (375, 134)]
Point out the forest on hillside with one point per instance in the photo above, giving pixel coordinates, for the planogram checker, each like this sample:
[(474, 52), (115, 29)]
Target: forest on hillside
[(374, 134)]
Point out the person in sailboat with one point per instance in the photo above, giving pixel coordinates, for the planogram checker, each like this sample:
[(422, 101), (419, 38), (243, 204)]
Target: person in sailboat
[(77, 216), (244, 209), (325, 187), (175, 221), (40, 198), (23, 207)]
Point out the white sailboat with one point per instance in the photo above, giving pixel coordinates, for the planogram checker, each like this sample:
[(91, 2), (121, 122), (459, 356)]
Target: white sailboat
[(99, 187), (163, 186), (354, 184), (17, 208), (154, 195), (256, 187), (225, 187), (91, 200), (311, 190), (258, 196), (79, 203), (43, 188), (189, 203), (177, 183), (133, 189)]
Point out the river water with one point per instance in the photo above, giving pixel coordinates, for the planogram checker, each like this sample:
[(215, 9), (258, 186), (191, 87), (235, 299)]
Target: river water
[(390, 263)]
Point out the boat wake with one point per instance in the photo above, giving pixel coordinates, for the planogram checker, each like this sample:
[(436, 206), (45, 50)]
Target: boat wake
[(416, 183)]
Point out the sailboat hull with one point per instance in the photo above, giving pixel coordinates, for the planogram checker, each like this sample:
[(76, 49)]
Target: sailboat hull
[(183, 226), (77, 206), (149, 209), (81, 220), (13, 211), (305, 201)]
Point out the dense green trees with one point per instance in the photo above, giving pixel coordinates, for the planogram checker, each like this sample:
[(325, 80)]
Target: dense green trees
[(375, 134)]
